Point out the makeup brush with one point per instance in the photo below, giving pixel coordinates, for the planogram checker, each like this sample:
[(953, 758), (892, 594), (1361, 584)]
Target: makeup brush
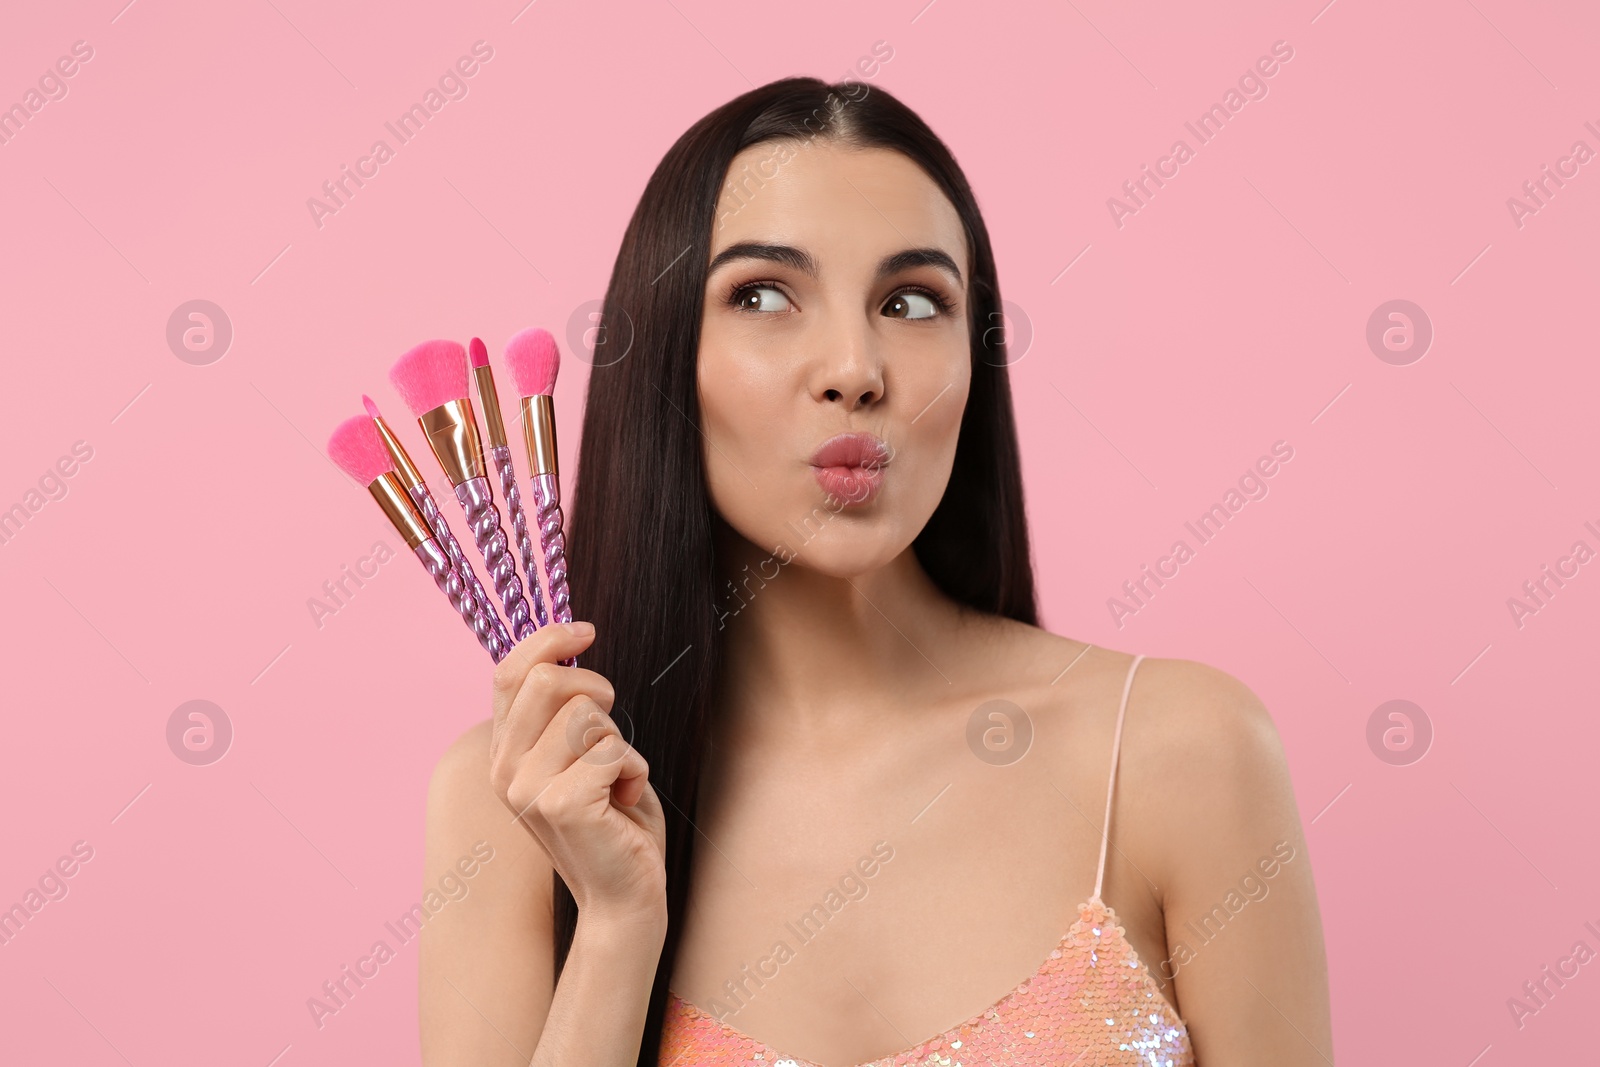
[(356, 446), (481, 606), (534, 360), (500, 452), (432, 379)]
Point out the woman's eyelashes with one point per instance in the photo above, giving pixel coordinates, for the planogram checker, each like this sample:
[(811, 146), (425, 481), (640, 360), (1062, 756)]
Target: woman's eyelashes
[(758, 296), (916, 302), (911, 302)]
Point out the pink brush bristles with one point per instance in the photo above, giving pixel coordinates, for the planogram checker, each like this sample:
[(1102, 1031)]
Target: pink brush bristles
[(534, 360), (432, 373), (356, 447), (372, 409), (478, 353)]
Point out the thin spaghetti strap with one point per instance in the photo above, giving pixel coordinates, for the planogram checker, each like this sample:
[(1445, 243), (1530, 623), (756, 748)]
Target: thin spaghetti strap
[(1111, 783)]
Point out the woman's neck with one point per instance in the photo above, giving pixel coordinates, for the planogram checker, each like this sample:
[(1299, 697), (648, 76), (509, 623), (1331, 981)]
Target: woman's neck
[(818, 652)]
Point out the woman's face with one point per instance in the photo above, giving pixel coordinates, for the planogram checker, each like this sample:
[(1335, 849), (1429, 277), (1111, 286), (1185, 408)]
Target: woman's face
[(836, 304)]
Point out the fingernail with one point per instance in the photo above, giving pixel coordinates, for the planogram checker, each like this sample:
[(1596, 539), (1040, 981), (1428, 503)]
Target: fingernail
[(580, 629)]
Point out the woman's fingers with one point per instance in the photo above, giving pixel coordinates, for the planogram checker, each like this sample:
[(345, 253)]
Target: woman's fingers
[(548, 644), (540, 738), (558, 761), (631, 779), (545, 690), (610, 763), (581, 735), (574, 764)]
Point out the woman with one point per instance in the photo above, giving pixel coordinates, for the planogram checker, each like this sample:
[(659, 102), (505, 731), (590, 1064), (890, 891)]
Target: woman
[(821, 790)]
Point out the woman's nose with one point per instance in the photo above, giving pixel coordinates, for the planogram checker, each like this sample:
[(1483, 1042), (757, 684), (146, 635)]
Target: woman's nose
[(849, 369)]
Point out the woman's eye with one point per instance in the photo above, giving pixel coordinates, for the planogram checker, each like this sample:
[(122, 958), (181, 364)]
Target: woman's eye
[(911, 305), (760, 298)]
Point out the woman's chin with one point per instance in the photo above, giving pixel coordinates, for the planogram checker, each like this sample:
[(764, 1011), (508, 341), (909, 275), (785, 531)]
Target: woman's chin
[(847, 553)]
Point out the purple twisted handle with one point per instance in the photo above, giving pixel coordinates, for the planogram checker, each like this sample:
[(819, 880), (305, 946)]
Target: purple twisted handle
[(436, 561), (477, 500), (547, 513), (519, 530), (484, 617)]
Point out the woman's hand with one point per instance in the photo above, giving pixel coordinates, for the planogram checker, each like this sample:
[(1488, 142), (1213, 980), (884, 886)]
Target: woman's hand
[(558, 761)]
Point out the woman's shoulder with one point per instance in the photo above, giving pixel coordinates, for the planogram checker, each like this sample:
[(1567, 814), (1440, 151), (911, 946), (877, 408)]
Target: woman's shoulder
[(1183, 710), (459, 789), (462, 808), (1196, 712), (491, 888), (1201, 765), (469, 750)]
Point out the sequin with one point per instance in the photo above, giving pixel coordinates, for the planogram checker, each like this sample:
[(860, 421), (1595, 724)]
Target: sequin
[(1068, 1012), (1072, 1010)]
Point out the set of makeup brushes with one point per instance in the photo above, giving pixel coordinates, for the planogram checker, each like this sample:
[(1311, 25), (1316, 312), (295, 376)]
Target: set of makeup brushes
[(433, 381)]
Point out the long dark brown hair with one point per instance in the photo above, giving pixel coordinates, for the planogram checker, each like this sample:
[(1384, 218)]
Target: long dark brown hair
[(641, 554)]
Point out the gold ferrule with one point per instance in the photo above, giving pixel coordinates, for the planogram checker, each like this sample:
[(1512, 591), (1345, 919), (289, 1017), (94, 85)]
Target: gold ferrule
[(491, 405), (409, 475), (452, 432), (539, 433), (396, 503)]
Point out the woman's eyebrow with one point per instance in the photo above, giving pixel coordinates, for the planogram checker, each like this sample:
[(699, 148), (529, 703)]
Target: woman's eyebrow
[(919, 257), (788, 255), (801, 260)]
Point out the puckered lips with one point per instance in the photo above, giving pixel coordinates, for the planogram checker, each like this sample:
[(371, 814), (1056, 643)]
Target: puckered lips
[(850, 466)]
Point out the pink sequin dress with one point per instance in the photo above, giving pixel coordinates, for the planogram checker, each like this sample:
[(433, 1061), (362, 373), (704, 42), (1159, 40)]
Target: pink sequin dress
[(1093, 1003)]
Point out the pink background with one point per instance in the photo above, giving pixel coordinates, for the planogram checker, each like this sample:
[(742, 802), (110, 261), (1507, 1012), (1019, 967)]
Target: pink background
[(1229, 313)]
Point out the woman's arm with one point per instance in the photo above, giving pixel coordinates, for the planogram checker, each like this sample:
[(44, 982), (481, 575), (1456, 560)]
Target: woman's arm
[(1244, 936), (486, 988)]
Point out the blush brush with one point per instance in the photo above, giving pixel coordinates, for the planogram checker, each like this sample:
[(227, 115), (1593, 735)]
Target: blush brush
[(500, 452), (535, 360), (358, 449), (432, 379), (485, 617)]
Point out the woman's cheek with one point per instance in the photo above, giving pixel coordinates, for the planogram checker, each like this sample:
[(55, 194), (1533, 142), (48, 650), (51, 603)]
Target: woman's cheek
[(754, 416), (940, 421), (936, 444)]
